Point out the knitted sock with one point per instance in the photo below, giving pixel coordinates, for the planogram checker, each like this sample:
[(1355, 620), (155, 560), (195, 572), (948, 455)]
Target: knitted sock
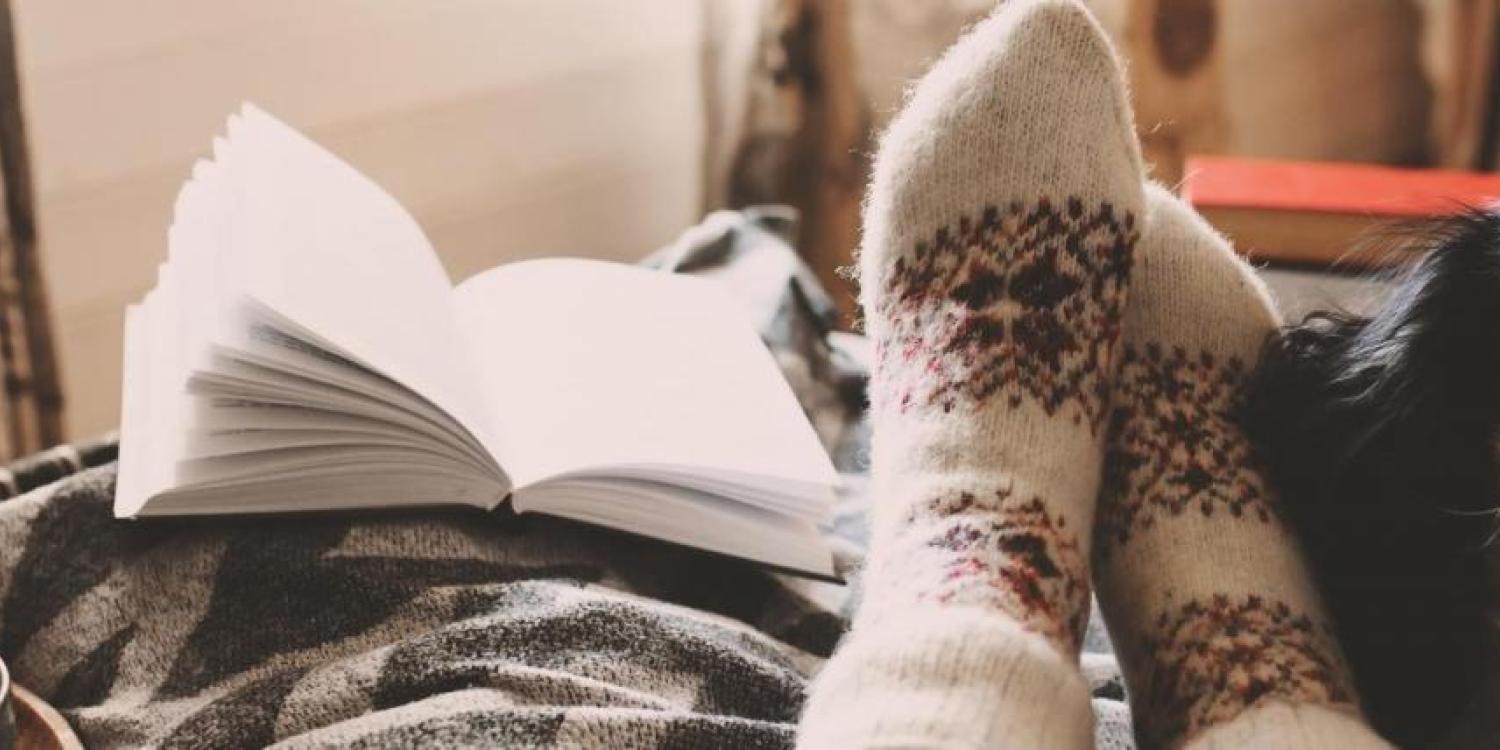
[(1221, 634), (998, 237)]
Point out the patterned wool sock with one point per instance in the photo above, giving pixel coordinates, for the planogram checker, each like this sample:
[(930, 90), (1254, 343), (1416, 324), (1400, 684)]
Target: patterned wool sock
[(1221, 634), (998, 236)]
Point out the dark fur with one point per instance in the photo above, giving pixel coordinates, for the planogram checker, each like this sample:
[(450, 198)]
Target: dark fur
[(1381, 434)]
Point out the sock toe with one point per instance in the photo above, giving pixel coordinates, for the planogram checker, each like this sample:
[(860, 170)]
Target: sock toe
[(1031, 104), (1001, 219), (1230, 302)]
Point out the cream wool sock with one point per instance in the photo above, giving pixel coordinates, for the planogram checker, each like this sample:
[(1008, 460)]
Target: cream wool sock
[(999, 229), (1221, 634)]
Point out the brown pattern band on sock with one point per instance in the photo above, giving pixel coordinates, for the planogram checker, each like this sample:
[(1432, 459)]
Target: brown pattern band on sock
[(1005, 554), (1213, 660), (1173, 446), (1025, 302)]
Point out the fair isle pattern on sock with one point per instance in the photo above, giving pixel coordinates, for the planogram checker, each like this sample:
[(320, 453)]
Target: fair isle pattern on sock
[(1217, 658), (1021, 307), (1200, 579), (1018, 313), (1025, 302), (988, 550), (1172, 448), (1175, 455)]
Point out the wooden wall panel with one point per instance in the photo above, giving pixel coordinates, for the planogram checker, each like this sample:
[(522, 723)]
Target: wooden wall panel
[(1337, 80)]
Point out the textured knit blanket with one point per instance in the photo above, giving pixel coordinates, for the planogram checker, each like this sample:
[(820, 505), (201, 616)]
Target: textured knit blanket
[(442, 628)]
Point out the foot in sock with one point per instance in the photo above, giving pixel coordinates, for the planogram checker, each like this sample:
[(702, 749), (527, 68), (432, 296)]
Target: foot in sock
[(999, 229), (994, 276), (1220, 631)]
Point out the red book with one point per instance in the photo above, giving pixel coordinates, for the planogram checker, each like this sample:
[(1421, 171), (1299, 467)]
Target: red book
[(1321, 213)]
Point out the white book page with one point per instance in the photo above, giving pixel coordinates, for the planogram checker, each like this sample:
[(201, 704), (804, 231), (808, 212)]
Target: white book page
[(275, 225), (695, 519), (590, 366), (322, 245)]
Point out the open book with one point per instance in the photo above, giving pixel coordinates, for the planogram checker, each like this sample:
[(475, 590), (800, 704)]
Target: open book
[(304, 350)]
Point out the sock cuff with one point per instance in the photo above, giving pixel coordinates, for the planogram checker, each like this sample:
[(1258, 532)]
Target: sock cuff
[(947, 677), (1292, 727)]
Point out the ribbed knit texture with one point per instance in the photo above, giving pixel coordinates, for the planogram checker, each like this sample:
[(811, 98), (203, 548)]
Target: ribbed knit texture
[(1222, 637), (999, 230)]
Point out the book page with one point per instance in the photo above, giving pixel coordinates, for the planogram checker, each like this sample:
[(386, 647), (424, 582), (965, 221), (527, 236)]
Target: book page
[(323, 246), (590, 366), (294, 281)]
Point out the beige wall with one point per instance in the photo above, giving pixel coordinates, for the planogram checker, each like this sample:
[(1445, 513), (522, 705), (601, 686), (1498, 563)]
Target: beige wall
[(510, 128), (1333, 79)]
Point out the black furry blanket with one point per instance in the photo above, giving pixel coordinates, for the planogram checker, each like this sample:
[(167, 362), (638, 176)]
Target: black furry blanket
[(1381, 432)]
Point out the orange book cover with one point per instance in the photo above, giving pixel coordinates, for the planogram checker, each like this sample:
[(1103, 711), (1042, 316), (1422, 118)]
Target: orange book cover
[(1335, 188)]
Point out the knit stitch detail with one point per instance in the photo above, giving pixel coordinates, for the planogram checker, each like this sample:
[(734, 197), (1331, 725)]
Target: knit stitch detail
[(1025, 302), (1173, 447), (1218, 658), (1004, 554)]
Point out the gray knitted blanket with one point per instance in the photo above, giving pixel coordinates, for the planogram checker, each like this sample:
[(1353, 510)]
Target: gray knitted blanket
[(440, 628)]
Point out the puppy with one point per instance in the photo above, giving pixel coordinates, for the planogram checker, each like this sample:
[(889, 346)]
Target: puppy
[(1381, 433)]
